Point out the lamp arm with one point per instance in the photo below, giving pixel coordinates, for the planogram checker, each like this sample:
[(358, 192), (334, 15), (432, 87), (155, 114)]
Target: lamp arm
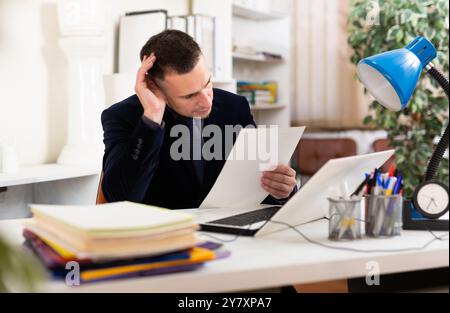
[(438, 153)]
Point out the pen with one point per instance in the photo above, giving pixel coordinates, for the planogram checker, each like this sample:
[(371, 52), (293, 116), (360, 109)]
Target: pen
[(386, 183), (380, 206), (347, 221), (375, 210), (373, 182), (379, 217), (379, 184), (390, 207), (362, 185), (398, 185), (369, 189), (396, 190), (392, 170), (391, 183)]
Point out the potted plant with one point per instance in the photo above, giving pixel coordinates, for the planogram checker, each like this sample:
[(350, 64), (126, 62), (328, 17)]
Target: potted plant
[(19, 270), (378, 26)]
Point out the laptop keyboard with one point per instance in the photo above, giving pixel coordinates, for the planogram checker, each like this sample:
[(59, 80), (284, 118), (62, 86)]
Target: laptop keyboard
[(248, 217)]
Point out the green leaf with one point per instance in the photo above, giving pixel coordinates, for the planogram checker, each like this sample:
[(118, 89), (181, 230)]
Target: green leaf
[(357, 38), (442, 5), (429, 33), (368, 120), (406, 16), (400, 22), (393, 33)]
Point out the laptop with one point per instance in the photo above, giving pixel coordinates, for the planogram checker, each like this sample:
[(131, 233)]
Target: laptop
[(308, 204)]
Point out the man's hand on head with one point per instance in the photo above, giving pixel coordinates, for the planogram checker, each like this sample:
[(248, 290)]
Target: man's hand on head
[(151, 97), (279, 182)]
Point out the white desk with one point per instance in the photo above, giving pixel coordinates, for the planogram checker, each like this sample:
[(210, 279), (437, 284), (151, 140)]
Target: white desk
[(278, 259)]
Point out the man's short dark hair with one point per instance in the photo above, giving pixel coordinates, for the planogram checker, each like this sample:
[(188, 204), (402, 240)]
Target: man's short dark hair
[(175, 51)]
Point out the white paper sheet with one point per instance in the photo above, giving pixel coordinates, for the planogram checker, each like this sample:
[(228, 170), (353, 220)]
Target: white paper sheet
[(239, 183)]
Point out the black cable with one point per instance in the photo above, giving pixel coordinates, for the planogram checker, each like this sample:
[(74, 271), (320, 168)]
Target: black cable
[(438, 153), (441, 238), (435, 238), (362, 250), (236, 236)]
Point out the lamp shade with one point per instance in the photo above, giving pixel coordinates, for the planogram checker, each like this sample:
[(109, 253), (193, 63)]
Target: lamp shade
[(391, 77)]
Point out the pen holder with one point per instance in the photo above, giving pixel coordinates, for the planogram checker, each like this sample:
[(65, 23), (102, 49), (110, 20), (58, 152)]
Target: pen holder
[(383, 215), (345, 219)]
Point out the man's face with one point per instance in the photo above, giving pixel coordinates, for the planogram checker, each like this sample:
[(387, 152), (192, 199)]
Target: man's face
[(190, 94)]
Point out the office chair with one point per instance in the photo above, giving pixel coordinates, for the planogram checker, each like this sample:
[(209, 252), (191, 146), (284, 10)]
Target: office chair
[(383, 145), (100, 196), (312, 153)]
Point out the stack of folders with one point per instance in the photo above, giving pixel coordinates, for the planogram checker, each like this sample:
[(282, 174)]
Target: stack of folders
[(116, 240)]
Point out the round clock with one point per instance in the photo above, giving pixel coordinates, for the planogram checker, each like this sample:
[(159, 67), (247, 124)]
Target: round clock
[(431, 199)]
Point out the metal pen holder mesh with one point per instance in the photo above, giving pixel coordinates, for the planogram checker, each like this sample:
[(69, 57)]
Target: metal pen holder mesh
[(345, 219), (383, 215)]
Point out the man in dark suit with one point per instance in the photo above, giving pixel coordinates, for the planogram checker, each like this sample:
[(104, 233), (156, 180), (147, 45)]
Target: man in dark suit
[(174, 90)]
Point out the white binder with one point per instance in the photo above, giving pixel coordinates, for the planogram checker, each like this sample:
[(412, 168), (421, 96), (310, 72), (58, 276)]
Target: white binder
[(202, 29), (178, 23), (135, 30)]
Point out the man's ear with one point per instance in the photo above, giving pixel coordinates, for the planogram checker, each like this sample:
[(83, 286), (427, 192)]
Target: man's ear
[(160, 83)]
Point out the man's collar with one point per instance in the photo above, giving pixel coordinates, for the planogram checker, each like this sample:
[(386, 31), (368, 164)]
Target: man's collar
[(178, 118)]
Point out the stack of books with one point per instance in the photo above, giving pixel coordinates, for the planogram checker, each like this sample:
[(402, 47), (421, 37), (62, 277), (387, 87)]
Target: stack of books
[(115, 240), (258, 93)]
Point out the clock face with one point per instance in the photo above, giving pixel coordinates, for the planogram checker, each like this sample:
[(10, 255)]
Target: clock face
[(431, 199)]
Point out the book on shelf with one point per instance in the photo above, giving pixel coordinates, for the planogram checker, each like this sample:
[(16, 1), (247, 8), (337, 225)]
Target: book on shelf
[(258, 92), (252, 53)]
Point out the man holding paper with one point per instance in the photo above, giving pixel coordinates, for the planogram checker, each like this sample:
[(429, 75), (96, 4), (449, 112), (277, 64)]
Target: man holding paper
[(142, 160)]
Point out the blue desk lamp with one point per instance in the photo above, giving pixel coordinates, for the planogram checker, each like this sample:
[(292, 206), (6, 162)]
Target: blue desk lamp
[(391, 78)]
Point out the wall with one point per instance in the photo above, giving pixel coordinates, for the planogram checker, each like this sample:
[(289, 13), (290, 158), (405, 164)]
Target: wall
[(326, 93), (33, 72)]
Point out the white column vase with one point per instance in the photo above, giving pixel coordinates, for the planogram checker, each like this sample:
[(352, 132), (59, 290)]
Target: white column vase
[(82, 24), (8, 160)]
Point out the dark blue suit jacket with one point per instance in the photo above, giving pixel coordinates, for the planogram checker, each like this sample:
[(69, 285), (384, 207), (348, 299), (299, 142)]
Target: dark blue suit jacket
[(137, 165)]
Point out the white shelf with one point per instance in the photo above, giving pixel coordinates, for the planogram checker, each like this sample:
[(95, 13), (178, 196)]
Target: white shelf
[(47, 172), (223, 82), (258, 107), (250, 13), (256, 58)]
